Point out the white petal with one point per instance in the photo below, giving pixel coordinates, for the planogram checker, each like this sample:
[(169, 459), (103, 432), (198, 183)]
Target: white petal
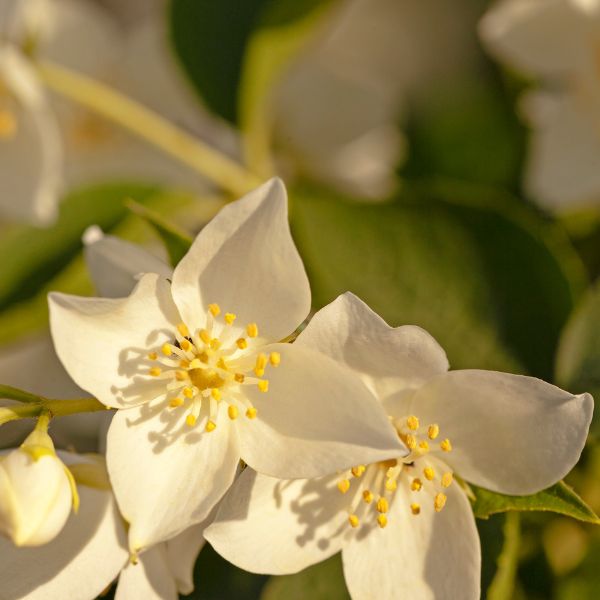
[(245, 260), (277, 526), (79, 564), (316, 418), (426, 557), (103, 342), (182, 552), (150, 579), (509, 433), (388, 359), (114, 264), (31, 158), (165, 483), (538, 37)]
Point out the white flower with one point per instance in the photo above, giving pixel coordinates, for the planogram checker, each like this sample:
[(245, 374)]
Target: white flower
[(403, 526), (36, 493), (91, 552), (195, 366), (557, 42)]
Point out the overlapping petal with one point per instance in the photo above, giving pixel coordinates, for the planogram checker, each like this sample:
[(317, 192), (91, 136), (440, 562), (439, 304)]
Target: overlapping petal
[(165, 484), (101, 341), (245, 260), (276, 526), (425, 557), (509, 433), (182, 552), (317, 418)]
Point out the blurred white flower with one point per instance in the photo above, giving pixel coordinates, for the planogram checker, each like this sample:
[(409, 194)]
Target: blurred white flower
[(36, 493), (197, 388), (556, 41), (403, 525)]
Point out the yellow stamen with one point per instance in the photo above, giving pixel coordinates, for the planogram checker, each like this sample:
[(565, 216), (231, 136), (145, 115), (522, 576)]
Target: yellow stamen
[(382, 521), (416, 485), (391, 485), (241, 343), (439, 501), (185, 345), (181, 375), (412, 423), (184, 364), (215, 344), (215, 393), (152, 356), (382, 505), (183, 330), (429, 473), (445, 445), (358, 470), (188, 392), (251, 413), (229, 318), (275, 358), (155, 371), (166, 349), (367, 496), (433, 431), (343, 485), (232, 411), (415, 508), (261, 363), (175, 402), (222, 364), (210, 426), (353, 520), (263, 385), (215, 310), (196, 364), (411, 441), (239, 377), (252, 330), (424, 445), (447, 479), (190, 420), (204, 336)]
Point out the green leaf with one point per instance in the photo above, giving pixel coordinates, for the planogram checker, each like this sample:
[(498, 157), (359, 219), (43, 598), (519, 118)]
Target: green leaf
[(8, 392), (324, 581), (177, 241), (491, 281), (559, 498), (503, 584)]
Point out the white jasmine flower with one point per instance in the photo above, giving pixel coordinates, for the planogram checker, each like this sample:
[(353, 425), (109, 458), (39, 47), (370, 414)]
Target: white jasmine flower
[(196, 368), (555, 41), (404, 526), (36, 492), (91, 552)]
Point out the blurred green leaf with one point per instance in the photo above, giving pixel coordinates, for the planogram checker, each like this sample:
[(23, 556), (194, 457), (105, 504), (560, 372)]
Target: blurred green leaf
[(559, 498), (492, 281), (324, 581), (584, 582), (503, 584), (9, 392), (176, 241)]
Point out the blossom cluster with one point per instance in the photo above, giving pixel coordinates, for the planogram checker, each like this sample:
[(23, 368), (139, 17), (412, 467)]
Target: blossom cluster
[(279, 444)]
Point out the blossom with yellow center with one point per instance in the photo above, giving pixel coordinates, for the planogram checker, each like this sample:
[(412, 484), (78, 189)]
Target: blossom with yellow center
[(404, 523), (194, 366)]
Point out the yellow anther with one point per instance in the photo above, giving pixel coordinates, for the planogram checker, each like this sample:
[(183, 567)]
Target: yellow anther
[(353, 520), (382, 521), (8, 124), (155, 371), (423, 445), (358, 470), (391, 485), (412, 423), (411, 441), (263, 385), (215, 393), (196, 364), (166, 349), (202, 358), (215, 310), (229, 318), (185, 345), (222, 364), (215, 344), (232, 411), (445, 445), (433, 431), (429, 473), (181, 375), (440, 501), (251, 413), (416, 485), (204, 336), (343, 485), (210, 426), (261, 363), (275, 358), (188, 392), (415, 508), (190, 420), (239, 377), (152, 356), (367, 496), (252, 330), (382, 505), (184, 364), (241, 343), (447, 479), (175, 402), (183, 330)]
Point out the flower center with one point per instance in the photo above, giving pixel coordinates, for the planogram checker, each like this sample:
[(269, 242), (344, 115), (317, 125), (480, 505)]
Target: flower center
[(208, 368), (374, 486)]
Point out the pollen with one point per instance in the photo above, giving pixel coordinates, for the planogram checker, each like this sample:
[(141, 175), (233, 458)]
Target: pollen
[(353, 520), (343, 485), (210, 426), (175, 402), (412, 423), (367, 496), (440, 501), (185, 345), (416, 485), (382, 521), (181, 375), (275, 359), (166, 349), (445, 445), (155, 371), (433, 431), (447, 479), (215, 344), (230, 318), (204, 336), (232, 412), (411, 441), (215, 310), (251, 413), (252, 330), (261, 363), (215, 393), (358, 470), (429, 473), (222, 364), (391, 485), (152, 355), (188, 392), (423, 445), (183, 330), (190, 420), (382, 505), (241, 343), (239, 377), (415, 508), (263, 385)]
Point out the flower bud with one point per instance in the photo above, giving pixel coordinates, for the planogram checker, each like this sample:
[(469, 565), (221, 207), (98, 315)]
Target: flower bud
[(36, 492)]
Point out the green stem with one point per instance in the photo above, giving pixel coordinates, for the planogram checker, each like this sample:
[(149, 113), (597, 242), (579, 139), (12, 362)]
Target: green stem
[(11, 393), (51, 408), (150, 126)]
